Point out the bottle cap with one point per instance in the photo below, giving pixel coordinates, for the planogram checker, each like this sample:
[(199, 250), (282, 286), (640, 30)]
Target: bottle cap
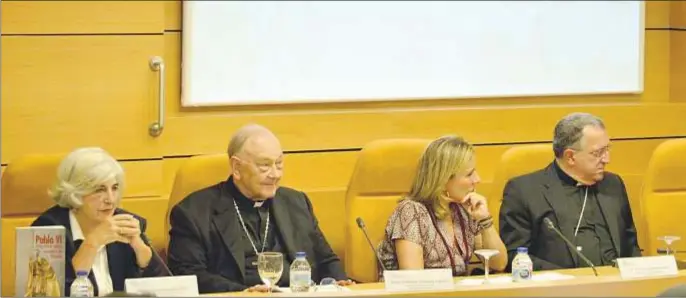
[(300, 254), (81, 273), (522, 249)]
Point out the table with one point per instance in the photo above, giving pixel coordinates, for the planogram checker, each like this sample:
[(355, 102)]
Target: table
[(607, 283)]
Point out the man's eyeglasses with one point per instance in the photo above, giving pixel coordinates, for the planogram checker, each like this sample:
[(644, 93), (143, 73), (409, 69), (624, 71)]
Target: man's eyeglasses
[(600, 153)]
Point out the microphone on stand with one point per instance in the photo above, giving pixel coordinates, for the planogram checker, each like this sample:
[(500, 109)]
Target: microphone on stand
[(361, 225), (551, 226), (157, 256)]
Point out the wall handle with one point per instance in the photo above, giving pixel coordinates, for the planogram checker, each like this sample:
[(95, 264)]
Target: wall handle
[(157, 64)]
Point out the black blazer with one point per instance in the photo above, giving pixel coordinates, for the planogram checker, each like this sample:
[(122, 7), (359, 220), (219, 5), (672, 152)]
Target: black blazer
[(530, 198), (205, 238), (120, 256)]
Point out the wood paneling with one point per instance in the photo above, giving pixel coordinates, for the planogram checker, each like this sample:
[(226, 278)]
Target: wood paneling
[(195, 131), (62, 92), (173, 12), (143, 178), (678, 14), (69, 17), (657, 14), (678, 66)]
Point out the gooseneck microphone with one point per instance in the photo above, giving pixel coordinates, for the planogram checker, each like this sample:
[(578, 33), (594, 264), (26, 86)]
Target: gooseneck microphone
[(157, 256), (360, 224), (551, 226)]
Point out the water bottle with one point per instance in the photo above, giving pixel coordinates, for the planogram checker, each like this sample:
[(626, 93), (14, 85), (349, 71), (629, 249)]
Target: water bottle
[(82, 286), (301, 274), (522, 266)]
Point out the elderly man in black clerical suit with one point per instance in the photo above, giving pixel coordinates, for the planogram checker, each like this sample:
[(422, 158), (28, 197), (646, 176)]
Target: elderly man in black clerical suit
[(217, 232), (588, 204)]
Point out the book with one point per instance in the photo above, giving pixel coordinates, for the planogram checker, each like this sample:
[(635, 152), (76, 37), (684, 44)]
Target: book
[(40, 261)]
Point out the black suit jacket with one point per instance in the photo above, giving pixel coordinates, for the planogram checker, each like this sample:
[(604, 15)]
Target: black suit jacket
[(530, 198), (205, 238), (120, 256)]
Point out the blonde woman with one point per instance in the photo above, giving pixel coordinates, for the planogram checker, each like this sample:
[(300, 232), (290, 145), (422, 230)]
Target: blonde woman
[(102, 239), (442, 220)]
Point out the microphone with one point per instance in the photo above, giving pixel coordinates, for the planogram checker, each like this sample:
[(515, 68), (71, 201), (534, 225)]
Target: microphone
[(360, 224), (551, 226), (157, 256)]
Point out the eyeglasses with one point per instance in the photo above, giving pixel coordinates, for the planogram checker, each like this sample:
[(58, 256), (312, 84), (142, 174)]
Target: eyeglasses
[(600, 153), (265, 166), (327, 284)]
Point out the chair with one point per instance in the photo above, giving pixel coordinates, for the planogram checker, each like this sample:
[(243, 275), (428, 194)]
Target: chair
[(196, 173), (516, 161), (382, 174), (663, 195), (24, 190)]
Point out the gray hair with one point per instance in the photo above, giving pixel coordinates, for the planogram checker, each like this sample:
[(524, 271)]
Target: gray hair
[(242, 135), (569, 130), (81, 173)]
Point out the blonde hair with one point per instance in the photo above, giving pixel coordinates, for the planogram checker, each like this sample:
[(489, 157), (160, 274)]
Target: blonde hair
[(442, 159), (81, 173)]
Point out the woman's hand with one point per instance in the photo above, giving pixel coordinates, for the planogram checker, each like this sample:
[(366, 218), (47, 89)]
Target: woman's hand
[(105, 233), (476, 206), (128, 227)]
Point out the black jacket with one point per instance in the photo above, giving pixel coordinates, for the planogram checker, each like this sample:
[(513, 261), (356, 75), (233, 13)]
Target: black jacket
[(120, 256), (530, 198), (205, 238)]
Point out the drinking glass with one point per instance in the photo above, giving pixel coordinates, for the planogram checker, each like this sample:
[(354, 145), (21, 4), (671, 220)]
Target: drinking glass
[(486, 254), (270, 268), (669, 240)]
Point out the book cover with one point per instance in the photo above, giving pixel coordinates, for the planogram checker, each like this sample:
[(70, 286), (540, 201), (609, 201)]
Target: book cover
[(40, 261)]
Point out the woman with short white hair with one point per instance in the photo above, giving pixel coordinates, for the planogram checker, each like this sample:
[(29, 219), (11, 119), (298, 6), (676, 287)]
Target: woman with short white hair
[(102, 239)]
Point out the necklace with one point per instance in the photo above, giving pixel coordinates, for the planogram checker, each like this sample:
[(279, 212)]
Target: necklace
[(266, 231)]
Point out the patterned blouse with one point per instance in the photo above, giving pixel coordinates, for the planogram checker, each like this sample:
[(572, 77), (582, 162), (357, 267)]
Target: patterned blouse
[(411, 221)]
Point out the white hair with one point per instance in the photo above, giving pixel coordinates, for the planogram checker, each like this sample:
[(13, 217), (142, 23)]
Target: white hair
[(81, 173)]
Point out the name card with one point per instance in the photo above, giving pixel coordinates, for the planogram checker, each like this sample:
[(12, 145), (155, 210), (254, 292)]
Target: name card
[(418, 280), (647, 266), (166, 286)]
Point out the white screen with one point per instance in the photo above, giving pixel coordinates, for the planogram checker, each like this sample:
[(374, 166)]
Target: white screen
[(287, 52)]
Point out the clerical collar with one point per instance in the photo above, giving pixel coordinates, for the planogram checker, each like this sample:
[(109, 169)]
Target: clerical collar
[(564, 177), (243, 201)]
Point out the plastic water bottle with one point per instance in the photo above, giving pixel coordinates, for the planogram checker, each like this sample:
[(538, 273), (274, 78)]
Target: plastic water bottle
[(522, 266), (301, 274), (82, 286)]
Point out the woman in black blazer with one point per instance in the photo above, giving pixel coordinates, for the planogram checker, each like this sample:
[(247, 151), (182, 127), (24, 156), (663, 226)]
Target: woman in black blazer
[(102, 239)]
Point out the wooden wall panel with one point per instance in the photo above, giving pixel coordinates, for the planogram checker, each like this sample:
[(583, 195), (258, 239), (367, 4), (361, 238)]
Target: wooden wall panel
[(62, 92), (657, 14), (678, 66), (678, 14), (143, 178), (79, 17), (173, 12), (315, 127)]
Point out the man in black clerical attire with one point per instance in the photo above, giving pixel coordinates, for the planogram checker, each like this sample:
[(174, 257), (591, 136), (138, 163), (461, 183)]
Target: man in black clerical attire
[(217, 232), (587, 204)]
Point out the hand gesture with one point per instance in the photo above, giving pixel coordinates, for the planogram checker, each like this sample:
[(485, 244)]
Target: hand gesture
[(476, 206), (127, 226), (105, 233)]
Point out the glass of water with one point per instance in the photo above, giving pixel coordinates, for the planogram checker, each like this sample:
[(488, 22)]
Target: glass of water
[(270, 268)]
